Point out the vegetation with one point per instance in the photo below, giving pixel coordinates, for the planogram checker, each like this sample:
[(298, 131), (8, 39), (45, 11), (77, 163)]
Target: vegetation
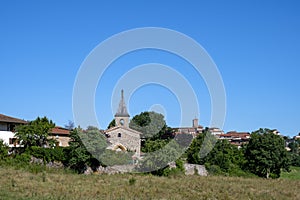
[(23, 185), (293, 174), (35, 133), (266, 155), (198, 150), (112, 124), (150, 124), (3, 150)]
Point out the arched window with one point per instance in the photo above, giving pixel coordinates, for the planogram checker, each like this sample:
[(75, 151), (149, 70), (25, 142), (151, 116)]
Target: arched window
[(119, 135)]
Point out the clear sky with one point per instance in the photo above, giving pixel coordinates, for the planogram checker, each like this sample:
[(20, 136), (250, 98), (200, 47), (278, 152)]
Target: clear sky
[(255, 45)]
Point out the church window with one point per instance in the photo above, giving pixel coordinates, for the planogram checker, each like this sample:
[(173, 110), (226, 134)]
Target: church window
[(119, 135)]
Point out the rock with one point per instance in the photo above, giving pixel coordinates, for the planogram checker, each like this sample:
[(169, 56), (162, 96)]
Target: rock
[(88, 171), (190, 169)]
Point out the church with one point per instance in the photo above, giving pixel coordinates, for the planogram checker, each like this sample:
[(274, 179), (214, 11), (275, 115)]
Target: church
[(121, 137)]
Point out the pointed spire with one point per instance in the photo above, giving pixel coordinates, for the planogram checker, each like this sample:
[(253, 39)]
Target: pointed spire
[(122, 110)]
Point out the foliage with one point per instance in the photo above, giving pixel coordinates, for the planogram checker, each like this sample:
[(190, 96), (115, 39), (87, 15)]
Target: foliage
[(167, 171), (48, 154), (158, 159), (226, 156), (112, 124), (85, 149), (110, 158), (35, 133), (200, 147), (153, 145), (3, 150), (150, 124), (265, 154)]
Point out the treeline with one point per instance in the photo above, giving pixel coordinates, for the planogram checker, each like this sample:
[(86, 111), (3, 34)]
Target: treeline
[(265, 154)]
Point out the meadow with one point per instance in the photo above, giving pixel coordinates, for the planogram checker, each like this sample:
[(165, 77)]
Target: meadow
[(61, 184)]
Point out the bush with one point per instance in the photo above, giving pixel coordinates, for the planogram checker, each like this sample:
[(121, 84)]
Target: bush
[(48, 154), (3, 150), (214, 169)]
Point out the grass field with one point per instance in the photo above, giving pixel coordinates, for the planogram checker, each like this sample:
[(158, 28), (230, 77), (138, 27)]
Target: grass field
[(294, 174), (19, 184)]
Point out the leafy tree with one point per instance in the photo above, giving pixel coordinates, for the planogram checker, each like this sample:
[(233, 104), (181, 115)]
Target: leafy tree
[(294, 146), (153, 145), (160, 154), (265, 154), (226, 156), (85, 149), (112, 124), (200, 147), (150, 124), (35, 133), (294, 153)]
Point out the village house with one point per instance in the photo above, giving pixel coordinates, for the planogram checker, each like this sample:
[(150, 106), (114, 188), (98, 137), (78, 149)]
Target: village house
[(7, 129), (195, 130), (60, 135), (235, 138), (216, 131)]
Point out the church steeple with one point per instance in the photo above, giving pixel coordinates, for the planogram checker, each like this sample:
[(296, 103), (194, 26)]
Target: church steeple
[(122, 116), (122, 110)]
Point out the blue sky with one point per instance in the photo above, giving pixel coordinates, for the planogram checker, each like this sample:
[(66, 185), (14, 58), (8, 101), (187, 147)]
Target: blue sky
[(255, 45)]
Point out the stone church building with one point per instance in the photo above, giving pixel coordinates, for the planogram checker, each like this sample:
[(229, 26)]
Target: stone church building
[(121, 137)]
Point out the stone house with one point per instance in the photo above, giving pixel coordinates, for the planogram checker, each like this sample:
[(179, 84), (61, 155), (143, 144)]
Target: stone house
[(61, 135)]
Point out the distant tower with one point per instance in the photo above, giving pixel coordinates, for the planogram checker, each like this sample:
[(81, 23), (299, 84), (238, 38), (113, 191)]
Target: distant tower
[(122, 116), (195, 123)]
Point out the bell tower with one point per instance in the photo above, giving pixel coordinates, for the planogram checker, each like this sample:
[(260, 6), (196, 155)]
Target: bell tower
[(122, 116)]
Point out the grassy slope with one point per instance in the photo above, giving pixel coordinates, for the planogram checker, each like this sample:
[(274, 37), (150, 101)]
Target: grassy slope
[(17, 184)]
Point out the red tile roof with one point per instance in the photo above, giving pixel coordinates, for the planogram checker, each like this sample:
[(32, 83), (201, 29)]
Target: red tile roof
[(234, 134), (60, 131), (8, 119)]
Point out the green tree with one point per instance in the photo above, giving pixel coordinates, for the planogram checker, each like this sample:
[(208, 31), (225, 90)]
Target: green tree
[(294, 153), (200, 147), (160, 154), (150, 124), (85, 149), (265, 154), (227, 157), (153, 145), (112, 124), (35, 133), (294, 146)]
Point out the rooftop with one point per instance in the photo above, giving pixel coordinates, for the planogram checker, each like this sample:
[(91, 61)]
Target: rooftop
[(8, 119)]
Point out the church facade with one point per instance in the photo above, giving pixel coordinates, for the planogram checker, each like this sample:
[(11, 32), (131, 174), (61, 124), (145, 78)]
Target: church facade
[(121, 137)]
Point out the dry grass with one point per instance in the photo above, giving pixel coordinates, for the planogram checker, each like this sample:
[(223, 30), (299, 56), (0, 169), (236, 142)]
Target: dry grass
[(18, 184)]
